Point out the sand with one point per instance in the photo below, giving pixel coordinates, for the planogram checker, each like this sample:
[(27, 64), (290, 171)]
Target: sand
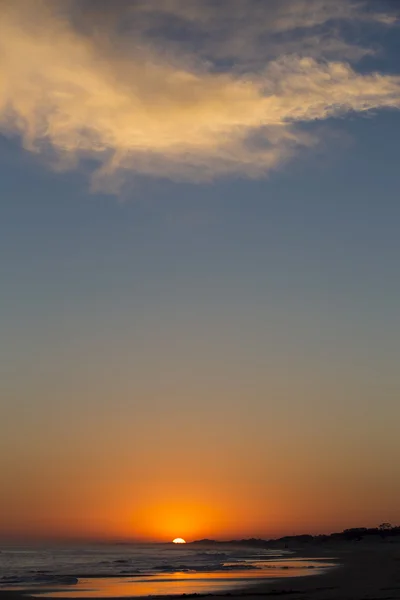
[(364, 571)]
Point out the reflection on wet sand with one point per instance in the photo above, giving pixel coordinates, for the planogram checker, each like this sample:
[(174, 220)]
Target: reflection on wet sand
[(183, 582)]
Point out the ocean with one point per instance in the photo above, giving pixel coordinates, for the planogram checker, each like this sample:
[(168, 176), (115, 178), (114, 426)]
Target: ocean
[(120, 570)]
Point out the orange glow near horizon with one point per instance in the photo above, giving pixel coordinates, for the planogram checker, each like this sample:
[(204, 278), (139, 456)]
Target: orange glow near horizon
[(162, 521), (242, 492), (216, 509), (160, 524)]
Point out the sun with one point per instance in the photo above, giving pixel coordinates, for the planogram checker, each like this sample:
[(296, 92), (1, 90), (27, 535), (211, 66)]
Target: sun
[(178, 541)]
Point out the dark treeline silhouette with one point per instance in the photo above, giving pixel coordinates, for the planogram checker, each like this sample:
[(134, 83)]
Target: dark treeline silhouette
[(385, 531)]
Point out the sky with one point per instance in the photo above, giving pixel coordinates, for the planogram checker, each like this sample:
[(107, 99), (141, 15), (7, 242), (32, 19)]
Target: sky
[(199, 263)]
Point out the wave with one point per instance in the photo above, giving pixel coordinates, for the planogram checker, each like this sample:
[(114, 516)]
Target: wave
[(38, 579)]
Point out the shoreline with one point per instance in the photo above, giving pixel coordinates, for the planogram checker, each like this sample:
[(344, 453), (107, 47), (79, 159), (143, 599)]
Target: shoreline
[(361, 572)]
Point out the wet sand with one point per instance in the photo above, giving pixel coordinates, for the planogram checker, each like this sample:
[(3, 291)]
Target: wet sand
[(363, 572)]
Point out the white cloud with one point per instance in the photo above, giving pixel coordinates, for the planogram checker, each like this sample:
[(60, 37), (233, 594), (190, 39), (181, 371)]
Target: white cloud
[(135, 110)]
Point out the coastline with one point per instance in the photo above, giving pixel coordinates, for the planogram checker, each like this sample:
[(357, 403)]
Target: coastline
[(364, 571)]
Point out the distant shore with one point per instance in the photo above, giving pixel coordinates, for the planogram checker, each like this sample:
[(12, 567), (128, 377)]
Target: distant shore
[(365, 571)]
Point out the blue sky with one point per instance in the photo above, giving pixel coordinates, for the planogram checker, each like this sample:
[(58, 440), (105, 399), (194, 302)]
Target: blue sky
[(228, 285)]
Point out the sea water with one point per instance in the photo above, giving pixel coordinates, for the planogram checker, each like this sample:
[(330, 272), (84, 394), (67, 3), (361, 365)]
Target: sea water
[(105, 570)]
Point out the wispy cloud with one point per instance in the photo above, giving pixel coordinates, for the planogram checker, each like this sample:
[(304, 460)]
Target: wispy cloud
[(147, 87)]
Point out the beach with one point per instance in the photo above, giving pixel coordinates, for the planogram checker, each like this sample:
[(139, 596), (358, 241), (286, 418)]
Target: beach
[(363, 571)]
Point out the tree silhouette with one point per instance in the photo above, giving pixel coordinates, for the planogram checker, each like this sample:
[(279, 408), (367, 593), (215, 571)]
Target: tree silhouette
[(384, 529)]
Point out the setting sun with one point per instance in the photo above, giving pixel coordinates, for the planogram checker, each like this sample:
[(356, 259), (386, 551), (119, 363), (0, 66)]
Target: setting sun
[(178, 541)]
